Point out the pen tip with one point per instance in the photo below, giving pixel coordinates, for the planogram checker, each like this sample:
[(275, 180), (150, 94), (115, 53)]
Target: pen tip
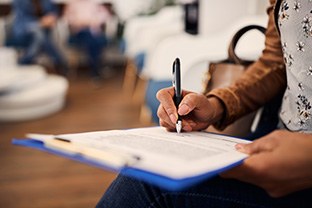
[(179, 126)]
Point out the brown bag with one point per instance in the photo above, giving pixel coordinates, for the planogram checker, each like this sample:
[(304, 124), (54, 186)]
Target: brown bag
[(224, 73)]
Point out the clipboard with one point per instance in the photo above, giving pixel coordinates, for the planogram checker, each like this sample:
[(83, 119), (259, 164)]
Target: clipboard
[(150, 177)]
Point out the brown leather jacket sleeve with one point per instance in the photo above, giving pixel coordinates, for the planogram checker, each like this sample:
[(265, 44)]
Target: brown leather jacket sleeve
[(263, 80)]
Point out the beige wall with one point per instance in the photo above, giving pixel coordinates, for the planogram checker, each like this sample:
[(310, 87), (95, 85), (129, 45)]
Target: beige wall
[(215, 15)]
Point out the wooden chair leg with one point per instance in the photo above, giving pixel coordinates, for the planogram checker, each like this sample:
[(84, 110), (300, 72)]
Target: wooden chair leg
[(139, 91), (72, 64), (145, 115), (130, 78)]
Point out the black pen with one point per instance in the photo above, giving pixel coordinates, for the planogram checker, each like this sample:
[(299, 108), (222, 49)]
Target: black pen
[(176, 82)]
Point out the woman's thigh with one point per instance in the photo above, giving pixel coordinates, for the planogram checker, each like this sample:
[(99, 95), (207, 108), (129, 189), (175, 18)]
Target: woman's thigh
[(216, 192)]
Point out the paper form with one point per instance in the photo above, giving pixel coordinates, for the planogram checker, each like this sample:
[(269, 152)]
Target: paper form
[(166, 153)]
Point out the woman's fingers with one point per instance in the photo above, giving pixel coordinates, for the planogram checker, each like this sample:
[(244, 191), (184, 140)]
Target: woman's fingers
[(164, 118), (266, 143), (167, 108)]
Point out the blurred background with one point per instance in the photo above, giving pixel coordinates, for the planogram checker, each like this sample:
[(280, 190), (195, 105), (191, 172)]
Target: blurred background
[(88, 65)]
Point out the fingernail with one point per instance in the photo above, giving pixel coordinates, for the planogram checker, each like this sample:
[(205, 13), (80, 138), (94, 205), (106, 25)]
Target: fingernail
[(173, 118), (240, 147), (183, 109)]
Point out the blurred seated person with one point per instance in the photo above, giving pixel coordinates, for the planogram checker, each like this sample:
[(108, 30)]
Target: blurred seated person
[(86, 20), (32, 29)]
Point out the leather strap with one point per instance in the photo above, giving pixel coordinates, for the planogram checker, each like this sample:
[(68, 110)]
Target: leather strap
[(232, 57)]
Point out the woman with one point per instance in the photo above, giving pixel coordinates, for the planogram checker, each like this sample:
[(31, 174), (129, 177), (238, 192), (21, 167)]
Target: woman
[(33, 22), (278, 172), (87, 20)]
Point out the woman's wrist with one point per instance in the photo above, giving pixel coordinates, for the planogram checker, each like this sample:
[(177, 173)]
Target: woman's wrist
[(218, 109)]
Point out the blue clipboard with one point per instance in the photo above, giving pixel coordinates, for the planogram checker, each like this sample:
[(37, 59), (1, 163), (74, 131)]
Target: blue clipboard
[(160, 181)]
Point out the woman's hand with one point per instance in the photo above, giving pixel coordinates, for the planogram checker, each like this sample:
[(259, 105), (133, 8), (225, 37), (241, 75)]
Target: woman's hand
[(280, 163), (196, 110), (48, 21)]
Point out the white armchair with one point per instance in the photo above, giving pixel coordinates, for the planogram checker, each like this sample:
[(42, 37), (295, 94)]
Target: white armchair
[(141, 35), (194, 49), (132, 8), (143, 32), (218, 21)]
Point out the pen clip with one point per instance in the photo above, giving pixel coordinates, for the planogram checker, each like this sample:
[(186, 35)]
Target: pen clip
[(176, 80), (173, 75)]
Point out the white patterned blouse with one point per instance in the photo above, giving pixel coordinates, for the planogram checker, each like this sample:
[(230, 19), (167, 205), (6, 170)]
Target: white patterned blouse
[(295, 25)]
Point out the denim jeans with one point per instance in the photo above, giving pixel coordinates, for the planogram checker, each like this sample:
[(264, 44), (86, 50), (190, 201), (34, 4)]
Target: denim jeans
[(216, 192), (40, 40), (93, 45)]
